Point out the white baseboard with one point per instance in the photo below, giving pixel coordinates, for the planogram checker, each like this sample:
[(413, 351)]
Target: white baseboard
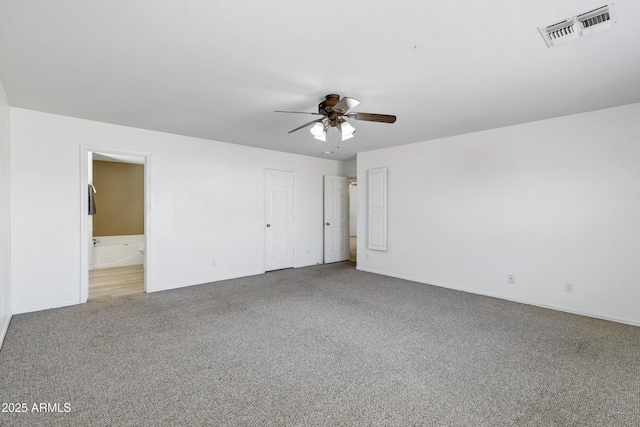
[(4, 326), (22, 310), (206, 282), (488, 294)]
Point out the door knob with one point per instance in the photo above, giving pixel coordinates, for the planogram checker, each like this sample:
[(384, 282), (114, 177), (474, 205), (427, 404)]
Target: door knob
[(328, 224), (268, 225)]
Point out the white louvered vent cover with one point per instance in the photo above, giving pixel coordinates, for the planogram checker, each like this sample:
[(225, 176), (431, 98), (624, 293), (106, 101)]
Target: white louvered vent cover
[(584, 24)]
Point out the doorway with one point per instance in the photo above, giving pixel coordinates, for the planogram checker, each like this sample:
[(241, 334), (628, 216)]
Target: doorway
[(114, 249)]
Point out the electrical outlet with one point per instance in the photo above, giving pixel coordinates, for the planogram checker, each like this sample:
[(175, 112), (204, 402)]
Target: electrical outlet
[(511, 278), (568, 287)]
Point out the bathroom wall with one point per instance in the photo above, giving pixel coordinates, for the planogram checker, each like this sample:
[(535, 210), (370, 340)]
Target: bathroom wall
[(119, 198)]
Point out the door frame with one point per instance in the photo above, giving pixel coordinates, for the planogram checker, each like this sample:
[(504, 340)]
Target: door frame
[(85, 149), (264, 213)]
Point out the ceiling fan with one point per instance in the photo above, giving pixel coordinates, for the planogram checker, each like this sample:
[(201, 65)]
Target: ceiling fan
[(335, 112)]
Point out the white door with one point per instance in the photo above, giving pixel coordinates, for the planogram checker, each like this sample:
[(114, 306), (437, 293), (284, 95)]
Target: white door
[(279, 218), (336, 218)]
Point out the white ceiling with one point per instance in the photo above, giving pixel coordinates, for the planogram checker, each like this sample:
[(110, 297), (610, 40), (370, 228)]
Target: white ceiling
[(218, 69)]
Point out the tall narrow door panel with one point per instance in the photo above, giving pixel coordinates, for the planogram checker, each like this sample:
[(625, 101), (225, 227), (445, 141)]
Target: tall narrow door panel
[(377, 231), (279, 219), (336, 218)]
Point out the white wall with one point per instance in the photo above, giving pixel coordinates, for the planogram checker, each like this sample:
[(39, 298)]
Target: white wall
[(551, 202), (350, 168), (353, 210), (206, 203), (5, 216)]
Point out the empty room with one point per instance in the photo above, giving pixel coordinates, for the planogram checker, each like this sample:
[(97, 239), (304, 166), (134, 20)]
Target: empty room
[(330, 214)]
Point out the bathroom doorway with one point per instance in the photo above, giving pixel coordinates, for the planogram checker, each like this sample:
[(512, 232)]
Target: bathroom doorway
[(115, 223)]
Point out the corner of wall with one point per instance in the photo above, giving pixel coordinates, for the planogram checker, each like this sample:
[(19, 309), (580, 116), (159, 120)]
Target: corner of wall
[(4, 326), (5, 215)]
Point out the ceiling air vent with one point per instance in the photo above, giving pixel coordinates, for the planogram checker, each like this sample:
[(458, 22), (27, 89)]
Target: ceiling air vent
[(561, 32), (584, 24), (595, 20)]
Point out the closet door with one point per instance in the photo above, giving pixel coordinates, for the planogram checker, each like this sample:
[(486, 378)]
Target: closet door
[(279, 216), (336, 218)]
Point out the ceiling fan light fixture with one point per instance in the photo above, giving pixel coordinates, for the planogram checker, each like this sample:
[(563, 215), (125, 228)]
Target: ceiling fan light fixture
[(334, 112), (347, 130), (318, 132)]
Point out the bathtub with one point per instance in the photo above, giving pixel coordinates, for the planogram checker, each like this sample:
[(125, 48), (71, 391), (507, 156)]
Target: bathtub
[(117, 251)]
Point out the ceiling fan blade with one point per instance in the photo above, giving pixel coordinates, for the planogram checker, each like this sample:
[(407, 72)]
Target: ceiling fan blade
[(368, 117), (297, 112), (305, 125), (345, 104)]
